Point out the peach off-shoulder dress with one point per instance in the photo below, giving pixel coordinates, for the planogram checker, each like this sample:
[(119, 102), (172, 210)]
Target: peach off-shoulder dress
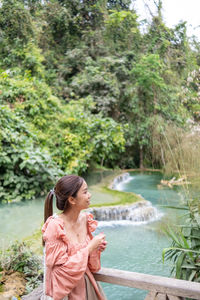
[(67, 263)]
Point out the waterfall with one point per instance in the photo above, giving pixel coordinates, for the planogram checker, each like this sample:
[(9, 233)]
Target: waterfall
[(141, 211), (119, 180)]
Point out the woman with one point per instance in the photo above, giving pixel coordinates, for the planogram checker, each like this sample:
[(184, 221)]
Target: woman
[(71, 252)]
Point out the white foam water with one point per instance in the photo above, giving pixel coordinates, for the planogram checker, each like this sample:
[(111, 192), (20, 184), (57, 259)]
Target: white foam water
[(115, 223), (141, 212), (120, 180), (120, 185)]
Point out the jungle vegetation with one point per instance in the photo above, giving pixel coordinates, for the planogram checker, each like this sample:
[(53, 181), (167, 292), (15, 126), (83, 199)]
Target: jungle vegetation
[(84, 83)]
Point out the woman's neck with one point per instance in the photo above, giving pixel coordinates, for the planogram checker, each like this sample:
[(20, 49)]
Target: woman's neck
[(71, 215)]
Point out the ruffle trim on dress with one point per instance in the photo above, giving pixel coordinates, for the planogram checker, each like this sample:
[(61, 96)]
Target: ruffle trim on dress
[(60, 229), (92, 224)]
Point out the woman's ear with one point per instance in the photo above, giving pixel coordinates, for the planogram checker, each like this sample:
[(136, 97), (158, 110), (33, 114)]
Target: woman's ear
[(71, 200)]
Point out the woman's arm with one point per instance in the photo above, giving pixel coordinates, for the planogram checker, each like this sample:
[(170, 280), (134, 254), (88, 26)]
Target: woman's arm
[(63, 271)]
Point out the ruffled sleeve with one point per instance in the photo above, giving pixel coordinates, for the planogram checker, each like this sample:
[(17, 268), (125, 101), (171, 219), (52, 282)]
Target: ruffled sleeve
[(94, 261), (91, 223), (63, 271)]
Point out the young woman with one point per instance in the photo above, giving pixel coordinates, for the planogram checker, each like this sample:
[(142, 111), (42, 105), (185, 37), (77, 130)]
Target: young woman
[(71, 251)]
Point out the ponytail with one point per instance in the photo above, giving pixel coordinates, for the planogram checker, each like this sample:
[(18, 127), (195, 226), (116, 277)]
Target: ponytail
[(48, 208), (48, 205)]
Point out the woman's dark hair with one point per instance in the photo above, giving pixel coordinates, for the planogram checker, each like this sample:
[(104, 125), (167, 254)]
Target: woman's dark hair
[(66, 186)]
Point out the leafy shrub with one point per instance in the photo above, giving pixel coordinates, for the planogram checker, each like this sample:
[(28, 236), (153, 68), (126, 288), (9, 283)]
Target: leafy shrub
[(20, 258), (185, 248), (16, 23), (88, 137), (26, 170), (71, 133)]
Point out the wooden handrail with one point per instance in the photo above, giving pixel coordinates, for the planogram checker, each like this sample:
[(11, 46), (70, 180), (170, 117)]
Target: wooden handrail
[(160, 288), (156, 284)]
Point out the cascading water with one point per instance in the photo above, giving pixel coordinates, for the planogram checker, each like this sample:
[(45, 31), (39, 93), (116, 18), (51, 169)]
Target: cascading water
[(139, 212), (119, 180)]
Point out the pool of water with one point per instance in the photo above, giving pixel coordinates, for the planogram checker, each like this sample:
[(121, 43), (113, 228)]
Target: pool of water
[(139, 248), (130, 247), (19, 220)]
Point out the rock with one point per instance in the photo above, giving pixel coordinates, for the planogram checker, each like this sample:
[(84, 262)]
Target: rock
[(174, 181), (14, 284)]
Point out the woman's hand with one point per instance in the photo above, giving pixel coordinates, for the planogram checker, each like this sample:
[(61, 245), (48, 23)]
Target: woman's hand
[(103, 245), (98, 242)]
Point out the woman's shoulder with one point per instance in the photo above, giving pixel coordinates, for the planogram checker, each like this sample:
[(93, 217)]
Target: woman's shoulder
[(53, 228), (53, 221)]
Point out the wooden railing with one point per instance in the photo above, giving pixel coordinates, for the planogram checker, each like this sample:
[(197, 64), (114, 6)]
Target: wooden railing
[(160, 288)]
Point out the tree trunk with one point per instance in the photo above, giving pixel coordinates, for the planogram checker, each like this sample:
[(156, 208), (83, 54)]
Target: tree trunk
[(102, 161), (141, 158)]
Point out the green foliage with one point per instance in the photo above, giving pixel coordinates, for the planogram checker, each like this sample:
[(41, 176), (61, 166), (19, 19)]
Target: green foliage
[(101, 85), (29, 96), (154, 97), (191, 93), (16, 23), (122, 31), (78, 137), (87, 137), (118, 4), (20, 258), (26, 171), (185, 248), (58, 26), (71, 133), (159, 38), (89, 84), (148, 72)]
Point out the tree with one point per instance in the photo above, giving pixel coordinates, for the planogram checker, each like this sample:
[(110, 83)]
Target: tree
[(153, 97), (15, 22), (118, 4), (122, 31)]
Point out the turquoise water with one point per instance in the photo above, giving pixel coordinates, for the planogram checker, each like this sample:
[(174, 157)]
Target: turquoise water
[(139, 248), (130, 247), (19, 220)]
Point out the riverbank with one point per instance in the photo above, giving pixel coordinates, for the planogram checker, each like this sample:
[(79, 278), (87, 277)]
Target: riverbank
[(106, 195)]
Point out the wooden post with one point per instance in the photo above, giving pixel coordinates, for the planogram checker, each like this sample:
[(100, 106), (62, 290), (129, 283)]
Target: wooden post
[(160, 296), (170, 297), (151, 296)]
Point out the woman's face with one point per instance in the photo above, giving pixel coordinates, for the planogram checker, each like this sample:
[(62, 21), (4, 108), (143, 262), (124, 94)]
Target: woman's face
[(83, 197)]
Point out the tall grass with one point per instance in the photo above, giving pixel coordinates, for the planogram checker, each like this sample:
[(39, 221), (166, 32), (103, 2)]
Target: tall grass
[(178, 149)]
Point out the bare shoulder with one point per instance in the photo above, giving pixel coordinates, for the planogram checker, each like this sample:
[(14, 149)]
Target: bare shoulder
[(83, 218)]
